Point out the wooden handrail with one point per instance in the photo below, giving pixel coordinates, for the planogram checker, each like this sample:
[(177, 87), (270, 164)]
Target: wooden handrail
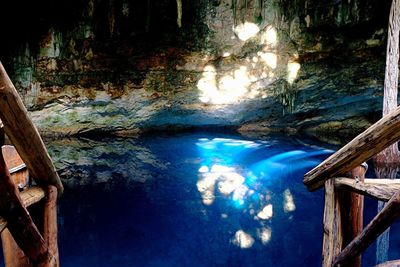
[(24, 135), (372, 141), (394, 263), (376, 227), (381, 189)]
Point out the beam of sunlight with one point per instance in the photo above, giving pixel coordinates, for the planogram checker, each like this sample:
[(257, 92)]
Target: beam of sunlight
[(206, 186), (274, 166), (269, 58), (207, 84), (239, 195), (266, 213), (264, 234), (288, 204), (229, 89), (243, 240), (246, 30), (229, 182), (203, 169), (292, 71), (269, 37)]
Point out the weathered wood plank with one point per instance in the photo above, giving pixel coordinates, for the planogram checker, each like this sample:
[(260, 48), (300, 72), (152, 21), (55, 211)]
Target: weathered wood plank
[(382, 189), (3, 224), (19, 222), (13, 255), (352, 214), (377, 226), (373, 140), (29, 196), (333, 236), (24, 135), (394, 263), (50, 222), (32, 195), (16, 167)]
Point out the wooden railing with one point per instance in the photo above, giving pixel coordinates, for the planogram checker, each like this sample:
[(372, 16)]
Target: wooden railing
[(23, 243), (344, 183)]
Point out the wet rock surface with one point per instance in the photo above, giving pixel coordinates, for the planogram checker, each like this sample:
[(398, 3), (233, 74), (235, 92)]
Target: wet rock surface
[(122, 67)]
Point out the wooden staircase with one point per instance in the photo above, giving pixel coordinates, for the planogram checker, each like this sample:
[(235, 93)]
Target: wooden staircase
[(342, 175), (26, 241)]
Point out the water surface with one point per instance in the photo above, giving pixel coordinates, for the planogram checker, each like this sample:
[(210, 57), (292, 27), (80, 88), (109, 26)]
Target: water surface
[(192, 200), (189, 200)]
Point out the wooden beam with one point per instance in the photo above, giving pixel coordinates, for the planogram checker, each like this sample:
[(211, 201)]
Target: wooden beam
[(13, 255), (16, 167), (3, 224), (29, 197), (19, 222), (373, 140), (352, 214), (381, 189), (333, 234), (32, 195), (394, 263), (50, 223), (24, 135), (377, 226)]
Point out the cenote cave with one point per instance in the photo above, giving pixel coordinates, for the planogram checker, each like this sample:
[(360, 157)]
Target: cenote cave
[(199, 133)]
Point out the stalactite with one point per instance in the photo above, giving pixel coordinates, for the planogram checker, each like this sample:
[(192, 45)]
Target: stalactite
[(234, 8), (242, 10), (125, 9), (179, 11), (111, 18), (258, 10), (90, 8)]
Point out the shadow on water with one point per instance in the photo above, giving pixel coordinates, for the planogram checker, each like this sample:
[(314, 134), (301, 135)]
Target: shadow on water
[(189, 200)]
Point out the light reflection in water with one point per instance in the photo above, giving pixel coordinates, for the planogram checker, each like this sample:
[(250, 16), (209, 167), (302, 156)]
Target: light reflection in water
[(243, 239), (222, 176)]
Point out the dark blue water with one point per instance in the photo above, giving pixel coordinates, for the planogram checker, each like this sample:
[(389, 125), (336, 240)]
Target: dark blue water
[(192, 200), (202, 201)]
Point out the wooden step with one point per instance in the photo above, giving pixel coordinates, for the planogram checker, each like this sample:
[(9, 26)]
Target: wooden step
[(29, 196)]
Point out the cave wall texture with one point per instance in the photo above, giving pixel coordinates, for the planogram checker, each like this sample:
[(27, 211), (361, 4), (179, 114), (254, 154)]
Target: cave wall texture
[(125, 66)]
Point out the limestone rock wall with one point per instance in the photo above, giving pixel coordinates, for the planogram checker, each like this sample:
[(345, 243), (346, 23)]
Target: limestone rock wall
[(119, 66)]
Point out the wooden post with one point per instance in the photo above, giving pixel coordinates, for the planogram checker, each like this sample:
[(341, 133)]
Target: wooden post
[(19, 222), (50, 222), (376, 227), (24, 135), (352, 214), (333, 234), (391, 154), (13, 255)]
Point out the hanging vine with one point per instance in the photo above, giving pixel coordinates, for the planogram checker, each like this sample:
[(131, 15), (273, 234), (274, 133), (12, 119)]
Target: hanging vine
[(179, 12)]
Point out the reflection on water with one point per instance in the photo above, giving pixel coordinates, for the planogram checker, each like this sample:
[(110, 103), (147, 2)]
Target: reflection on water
[(188, 200), (248, 187)]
